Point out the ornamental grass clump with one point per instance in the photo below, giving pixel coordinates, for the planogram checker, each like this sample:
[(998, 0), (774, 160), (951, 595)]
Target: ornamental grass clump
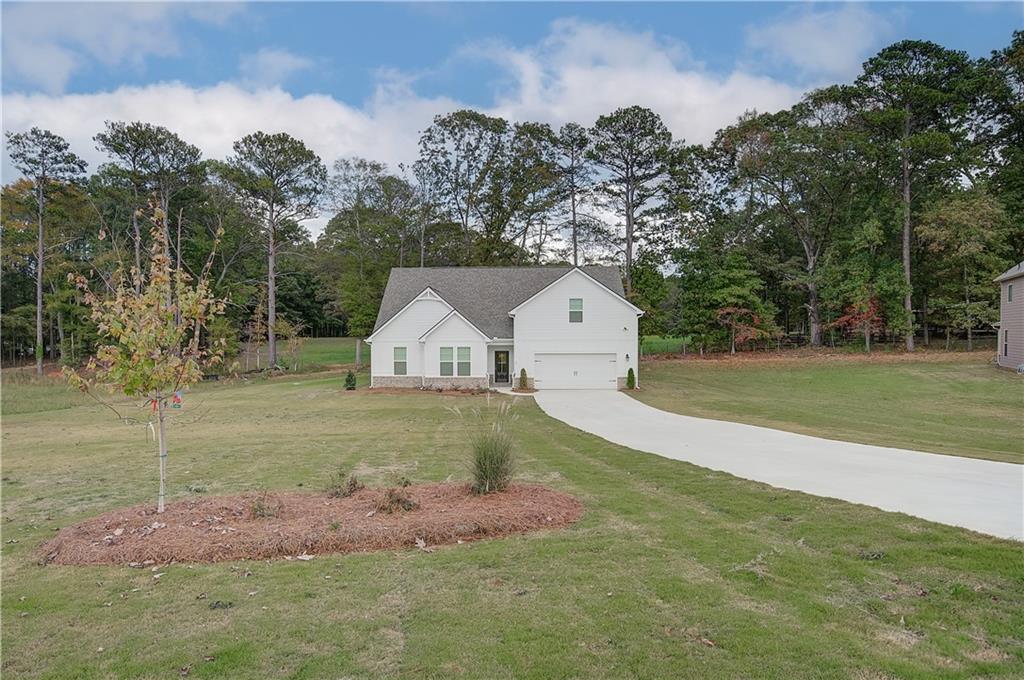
[(493, 461)]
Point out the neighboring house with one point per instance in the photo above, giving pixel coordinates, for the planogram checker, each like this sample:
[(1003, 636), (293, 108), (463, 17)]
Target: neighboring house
[(477, 327), (1011, 316)]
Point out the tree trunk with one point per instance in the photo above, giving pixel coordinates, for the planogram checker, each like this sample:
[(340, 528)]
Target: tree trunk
[(732, 342), (423, 243), (575, 230), (60, 333), (629, 242), (908, 306), (271, 294), (165, 205), (947, 338), (867, 340), (162, 446), (924, 320), (138, 241), (177, 309), (178, 247), (40, 254), (814, 313), (970, 337)]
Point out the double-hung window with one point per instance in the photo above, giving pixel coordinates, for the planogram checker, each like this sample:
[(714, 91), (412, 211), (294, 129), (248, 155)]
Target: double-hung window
[(455, 361), (1006, 343), (575, 310), (464, 362), (400, 361)]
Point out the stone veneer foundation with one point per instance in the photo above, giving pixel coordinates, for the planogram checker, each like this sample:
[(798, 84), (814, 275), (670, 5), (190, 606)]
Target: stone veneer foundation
[(435, 383)]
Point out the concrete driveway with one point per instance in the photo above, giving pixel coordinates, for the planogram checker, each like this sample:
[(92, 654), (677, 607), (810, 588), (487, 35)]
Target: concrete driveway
[(982, 495)]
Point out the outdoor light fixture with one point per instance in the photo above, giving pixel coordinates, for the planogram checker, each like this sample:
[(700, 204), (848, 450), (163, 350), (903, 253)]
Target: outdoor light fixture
[(627, 358)]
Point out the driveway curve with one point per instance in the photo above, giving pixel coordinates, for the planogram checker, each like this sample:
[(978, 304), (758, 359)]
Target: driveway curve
[(981, 495)]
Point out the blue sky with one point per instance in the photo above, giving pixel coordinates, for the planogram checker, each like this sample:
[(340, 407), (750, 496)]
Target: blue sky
[(348, 44), (366, 78)]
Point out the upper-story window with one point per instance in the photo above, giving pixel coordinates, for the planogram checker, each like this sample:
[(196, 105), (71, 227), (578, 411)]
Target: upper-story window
[(575, 310), (1009, 292)]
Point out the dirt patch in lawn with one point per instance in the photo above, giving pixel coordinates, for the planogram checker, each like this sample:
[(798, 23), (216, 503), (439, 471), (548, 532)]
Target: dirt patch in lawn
[(290, 524)]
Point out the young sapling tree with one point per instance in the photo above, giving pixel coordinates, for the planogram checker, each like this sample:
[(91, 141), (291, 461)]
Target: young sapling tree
[(148, 348)]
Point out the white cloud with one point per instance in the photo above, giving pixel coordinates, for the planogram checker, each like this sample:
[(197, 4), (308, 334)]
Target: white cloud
[(270, 66), (212, 118), (46, 43), (578, 72), (583, 70), (830, 43)]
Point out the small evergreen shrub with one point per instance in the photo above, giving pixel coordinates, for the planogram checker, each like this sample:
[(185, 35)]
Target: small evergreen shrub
[(630, 380), (350, 381), (523, 384)]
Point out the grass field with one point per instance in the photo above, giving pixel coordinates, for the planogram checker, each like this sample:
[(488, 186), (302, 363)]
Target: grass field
[(947, 403), (660, 344), (317, 354), (673, 571)]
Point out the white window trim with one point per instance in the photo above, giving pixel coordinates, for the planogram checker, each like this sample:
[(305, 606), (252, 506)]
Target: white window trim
[(395, 360), (580, 310), (468, 362), (441, 362)]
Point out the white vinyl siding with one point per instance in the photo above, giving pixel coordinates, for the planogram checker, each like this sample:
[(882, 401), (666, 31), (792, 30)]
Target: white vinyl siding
[(401, 365), (1010, 353), (446, 362), (575, 310), (542, 326), (465, 366), (403, 331), (452, 334)]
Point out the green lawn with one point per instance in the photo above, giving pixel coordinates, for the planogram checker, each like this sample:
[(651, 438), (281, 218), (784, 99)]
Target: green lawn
[(955, 404), (316, 354), (673, 571)]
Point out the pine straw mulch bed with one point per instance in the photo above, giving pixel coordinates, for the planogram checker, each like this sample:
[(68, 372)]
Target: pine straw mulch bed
[(302, 524)]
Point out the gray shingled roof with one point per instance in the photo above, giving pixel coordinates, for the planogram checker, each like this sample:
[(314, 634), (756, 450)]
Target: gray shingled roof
[(484, 295), (1013, 272)]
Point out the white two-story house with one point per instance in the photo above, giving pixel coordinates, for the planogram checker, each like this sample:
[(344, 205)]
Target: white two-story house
[(478, 327)]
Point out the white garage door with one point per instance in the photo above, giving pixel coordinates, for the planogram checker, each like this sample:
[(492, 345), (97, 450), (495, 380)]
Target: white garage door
[(574, 371)]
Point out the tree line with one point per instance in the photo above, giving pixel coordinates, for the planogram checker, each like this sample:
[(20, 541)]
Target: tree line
[(883, 206)]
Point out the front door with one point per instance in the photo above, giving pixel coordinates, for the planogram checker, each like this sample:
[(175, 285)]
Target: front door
[(501, 366)]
